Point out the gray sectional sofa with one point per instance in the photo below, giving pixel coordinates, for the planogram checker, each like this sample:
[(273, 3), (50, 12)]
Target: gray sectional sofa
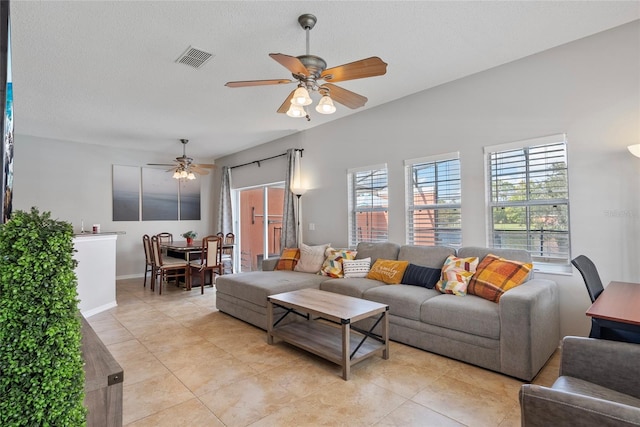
[(515, 336)]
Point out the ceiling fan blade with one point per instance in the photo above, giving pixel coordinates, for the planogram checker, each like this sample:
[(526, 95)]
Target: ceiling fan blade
[(286, 104), (291, 63), (198, 170), (161, 164), (257, 83), (204, 165), (345, 97), (369, 67)]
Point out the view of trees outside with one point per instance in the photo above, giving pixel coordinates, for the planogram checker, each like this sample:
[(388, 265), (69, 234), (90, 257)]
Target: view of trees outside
[(530, 201)]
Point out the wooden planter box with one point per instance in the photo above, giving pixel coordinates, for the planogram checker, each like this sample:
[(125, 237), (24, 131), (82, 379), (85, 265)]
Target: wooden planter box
[(103, 381)]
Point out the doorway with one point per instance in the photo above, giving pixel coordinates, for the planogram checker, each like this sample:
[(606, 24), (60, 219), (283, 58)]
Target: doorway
[(260, 224)]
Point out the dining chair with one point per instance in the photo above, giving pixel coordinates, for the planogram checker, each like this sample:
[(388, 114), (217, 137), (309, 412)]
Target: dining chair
[(210, 260), (227, 252), (591, 278), (148, 259), (168, 267)]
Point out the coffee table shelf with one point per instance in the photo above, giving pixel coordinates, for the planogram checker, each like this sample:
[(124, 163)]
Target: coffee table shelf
[(330, 336)]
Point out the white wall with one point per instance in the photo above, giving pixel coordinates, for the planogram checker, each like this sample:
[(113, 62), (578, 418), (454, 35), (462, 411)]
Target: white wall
[(73, 181), (589, 89)]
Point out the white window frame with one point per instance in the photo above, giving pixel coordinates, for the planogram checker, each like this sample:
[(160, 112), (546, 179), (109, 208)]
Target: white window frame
[(443, 232), (375, 207), (552, 255)]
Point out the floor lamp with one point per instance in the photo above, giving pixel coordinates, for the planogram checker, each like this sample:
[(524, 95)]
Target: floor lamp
[(298, 192)]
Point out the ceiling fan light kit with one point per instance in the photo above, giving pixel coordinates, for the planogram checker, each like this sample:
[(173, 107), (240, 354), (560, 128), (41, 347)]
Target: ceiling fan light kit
[(308, 69), (183, 166)]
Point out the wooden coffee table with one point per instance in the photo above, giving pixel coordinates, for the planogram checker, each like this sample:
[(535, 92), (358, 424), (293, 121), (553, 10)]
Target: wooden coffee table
[(328, 331)]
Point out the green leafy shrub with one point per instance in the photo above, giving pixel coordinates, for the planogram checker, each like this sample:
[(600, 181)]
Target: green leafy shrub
[(41, 365)]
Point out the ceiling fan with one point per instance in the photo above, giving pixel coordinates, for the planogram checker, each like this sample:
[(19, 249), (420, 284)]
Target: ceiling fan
[(308, 70), (183, 166)]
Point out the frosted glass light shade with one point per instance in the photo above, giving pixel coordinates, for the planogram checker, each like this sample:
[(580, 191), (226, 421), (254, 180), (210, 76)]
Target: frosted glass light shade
[(176, 175), (301, 97), (634, 149), (296, 111), (191, 176), (325, 106)]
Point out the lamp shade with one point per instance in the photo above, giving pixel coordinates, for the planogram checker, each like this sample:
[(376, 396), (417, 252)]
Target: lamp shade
[(325, 106), (296, 111), (634, 149), (301, 97)]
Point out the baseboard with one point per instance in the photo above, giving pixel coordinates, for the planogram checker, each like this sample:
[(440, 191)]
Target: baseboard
[(129, 276), (100, 309)]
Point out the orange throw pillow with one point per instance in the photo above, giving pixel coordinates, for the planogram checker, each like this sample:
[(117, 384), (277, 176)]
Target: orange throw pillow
[(288, 259), (495, 276), (388, 271)]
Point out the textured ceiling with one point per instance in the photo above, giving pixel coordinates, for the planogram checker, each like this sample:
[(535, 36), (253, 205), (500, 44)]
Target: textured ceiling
[(105, 72)]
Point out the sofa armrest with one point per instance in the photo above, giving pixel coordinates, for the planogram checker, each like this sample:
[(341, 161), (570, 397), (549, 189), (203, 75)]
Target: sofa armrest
[(269, 264), (542, 406), (611, 364), (529, 327)]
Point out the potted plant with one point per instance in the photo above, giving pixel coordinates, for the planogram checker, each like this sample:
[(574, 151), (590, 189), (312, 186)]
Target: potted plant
[(190, 235), (42, 381)]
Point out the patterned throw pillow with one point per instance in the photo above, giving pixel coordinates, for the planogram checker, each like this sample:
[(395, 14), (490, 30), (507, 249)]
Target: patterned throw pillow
[(388, 271), (311, 258), (496, 275), (417, 275), (332, 265), (288, 259), (456, 273), (356, 268)]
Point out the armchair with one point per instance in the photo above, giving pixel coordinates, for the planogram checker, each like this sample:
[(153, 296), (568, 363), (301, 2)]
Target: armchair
[(599, 385)]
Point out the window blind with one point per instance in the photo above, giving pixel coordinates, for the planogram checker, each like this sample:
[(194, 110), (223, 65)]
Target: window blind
[(433, 198), (368, 205)]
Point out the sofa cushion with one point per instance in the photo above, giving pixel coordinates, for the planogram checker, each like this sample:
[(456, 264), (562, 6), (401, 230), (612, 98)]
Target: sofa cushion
[(514, 254), (356, 267), (256, 286), (332, 265), (384, 250), (388, 271), (495, 276), (403, 301), (456, 273), (311, 258), (351, 287), (471, 314), (425, 256), (416, 275), (288, 259)]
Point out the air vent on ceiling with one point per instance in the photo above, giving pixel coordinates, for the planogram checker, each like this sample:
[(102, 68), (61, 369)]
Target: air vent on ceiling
[(193, 57)]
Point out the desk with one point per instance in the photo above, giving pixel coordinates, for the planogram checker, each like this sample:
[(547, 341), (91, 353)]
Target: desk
[(618, 307)]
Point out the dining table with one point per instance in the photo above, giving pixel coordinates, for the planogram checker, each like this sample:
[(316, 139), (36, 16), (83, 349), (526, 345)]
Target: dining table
[(618, 307), (186, 250)]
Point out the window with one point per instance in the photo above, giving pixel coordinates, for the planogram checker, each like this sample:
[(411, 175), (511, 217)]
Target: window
[(368, 205), (529, 199), (433, 201)]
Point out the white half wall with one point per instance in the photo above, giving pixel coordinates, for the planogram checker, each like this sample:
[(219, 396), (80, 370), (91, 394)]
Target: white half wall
[(73, 181), (588, 89)]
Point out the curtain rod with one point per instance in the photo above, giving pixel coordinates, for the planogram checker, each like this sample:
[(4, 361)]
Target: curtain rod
[(268, 158)]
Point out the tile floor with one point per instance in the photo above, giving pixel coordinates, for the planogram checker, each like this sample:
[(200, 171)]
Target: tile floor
[(186, 364)]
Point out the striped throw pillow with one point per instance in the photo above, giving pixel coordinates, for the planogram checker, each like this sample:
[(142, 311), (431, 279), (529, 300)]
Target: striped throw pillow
[(356, 268), (456, 273)]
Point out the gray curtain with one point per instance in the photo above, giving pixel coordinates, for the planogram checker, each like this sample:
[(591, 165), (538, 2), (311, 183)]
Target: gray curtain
[(289, 236), (225, 213)]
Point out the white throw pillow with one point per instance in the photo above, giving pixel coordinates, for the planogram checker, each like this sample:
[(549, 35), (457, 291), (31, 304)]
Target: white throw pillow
[(356, 267), (311, 258)]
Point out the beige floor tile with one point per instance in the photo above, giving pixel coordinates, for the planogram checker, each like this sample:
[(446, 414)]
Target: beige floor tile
[(247, 401), (493, 382), (549, 373), (345, 403), (204, 378), (466, 403), (305, 375), (191, 413), (410, 414), (201, 353), (513, 417), (115, 335), (137, 362), (162, 342), (147, 397)]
